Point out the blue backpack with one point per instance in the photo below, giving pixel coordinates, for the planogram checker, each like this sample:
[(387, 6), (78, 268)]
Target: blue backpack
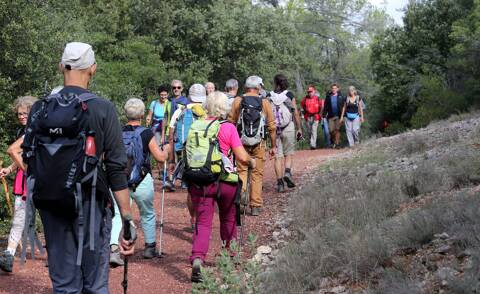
[(182, 126), (137, 159)]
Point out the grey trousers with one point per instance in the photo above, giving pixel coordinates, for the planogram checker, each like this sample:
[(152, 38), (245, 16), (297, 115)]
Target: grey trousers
[(61, 236), (352, 128), (312, 126)]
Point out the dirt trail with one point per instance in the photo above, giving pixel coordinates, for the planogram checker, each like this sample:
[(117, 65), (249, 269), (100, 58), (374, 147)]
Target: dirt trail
[(171, 274)]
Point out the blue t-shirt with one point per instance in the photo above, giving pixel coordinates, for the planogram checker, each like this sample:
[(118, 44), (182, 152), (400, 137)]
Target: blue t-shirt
[(334, 104), (158, 110)]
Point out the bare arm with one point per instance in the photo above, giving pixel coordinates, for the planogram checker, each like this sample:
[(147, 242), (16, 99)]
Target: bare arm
[(15, 152), (343, 110), (360, 110), (157, 153), (298, 123), (149, 118), (242, 156)]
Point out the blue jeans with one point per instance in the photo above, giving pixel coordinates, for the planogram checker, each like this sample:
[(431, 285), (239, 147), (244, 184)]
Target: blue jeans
[(143, 197)]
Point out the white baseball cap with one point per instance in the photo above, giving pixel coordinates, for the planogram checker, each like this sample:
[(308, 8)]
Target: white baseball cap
[(253, 82), (197, 93), (77, 55)]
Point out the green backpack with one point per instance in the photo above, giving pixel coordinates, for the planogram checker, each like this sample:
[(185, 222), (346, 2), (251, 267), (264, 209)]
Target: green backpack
[(204, 161)]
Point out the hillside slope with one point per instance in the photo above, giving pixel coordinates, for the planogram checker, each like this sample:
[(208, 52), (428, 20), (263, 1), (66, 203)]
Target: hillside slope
[(397, 215)]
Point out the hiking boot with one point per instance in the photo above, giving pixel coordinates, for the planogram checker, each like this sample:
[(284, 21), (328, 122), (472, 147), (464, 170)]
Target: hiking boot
[(6, 262), (115, 258), (288, 179), (256, 211), (150, 250), (197, 270)]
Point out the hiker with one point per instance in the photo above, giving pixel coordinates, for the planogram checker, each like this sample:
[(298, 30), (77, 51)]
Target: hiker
[(156, 114), (332, 109), (209, 87), (287, 120), (312, 108), (253, 116), (179, 126), (67, 180), (22, 108), (177, 100), (353, 111), (224, 190), (231, 90), (140, 145)]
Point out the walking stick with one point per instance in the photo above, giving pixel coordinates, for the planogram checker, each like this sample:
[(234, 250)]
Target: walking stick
[(161, 254), (245, 204), (7, 193), (127, 235), (7, 196)]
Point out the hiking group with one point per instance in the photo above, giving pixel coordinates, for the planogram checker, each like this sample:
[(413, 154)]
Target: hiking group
[(76, 164)]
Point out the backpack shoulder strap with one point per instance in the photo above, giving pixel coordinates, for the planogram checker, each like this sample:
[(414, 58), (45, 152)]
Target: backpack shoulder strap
[(84, 97), (208, 126)]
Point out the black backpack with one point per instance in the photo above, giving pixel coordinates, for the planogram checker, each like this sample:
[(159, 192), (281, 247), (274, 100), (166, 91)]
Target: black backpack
[(58, 166), (251, 122)]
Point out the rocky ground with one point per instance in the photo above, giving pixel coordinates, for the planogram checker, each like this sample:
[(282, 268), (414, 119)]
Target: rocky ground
[(437, 167)]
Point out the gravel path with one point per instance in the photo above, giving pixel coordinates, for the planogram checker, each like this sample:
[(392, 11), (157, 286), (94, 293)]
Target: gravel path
[(171, 274)]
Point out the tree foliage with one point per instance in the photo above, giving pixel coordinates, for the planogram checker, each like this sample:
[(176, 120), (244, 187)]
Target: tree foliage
[(426, 68)]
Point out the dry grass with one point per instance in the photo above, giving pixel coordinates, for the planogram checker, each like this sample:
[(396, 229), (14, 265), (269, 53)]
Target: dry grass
[(349, 226)]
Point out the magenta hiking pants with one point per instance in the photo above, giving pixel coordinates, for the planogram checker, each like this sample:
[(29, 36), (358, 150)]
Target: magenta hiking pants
[(204, 205)]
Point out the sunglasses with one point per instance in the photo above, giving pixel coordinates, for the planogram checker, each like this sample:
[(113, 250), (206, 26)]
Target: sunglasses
[(178, 88)]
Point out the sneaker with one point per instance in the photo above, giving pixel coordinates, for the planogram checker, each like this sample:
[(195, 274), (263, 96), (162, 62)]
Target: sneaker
[(280, 186), (115, 258), (288, 179), (256, 211), (197, 270), (6, 262), (150, 250)]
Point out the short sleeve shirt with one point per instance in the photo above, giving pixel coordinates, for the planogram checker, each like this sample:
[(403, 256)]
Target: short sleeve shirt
[(158, 109), (228, 137)]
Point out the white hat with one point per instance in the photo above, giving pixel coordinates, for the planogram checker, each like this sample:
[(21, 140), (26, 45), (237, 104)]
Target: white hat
[(197, 93), (78, 55), (253, 82)]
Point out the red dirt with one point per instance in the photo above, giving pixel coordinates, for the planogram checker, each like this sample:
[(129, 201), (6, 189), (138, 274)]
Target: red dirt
[(171, 274)]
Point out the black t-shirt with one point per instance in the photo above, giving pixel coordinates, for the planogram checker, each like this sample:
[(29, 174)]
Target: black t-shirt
[(147, 136)]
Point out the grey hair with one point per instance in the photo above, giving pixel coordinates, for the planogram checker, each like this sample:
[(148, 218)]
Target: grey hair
[(231, 84), (216, 105), (352, 89), (209, 83), (176, 82), (24, 101), (134, 109)]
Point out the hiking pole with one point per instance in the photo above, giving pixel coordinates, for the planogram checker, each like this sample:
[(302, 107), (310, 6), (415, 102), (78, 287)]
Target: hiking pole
[(127, 235), (245, 204), (160, 253)]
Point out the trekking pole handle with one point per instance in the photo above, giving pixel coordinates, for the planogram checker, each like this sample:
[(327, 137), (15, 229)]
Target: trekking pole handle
[(127, 232)]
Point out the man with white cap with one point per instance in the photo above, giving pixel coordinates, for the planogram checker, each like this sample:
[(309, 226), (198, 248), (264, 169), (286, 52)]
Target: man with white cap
[(78, 243), (180, 124), (253, 114)]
